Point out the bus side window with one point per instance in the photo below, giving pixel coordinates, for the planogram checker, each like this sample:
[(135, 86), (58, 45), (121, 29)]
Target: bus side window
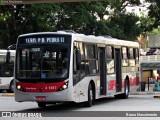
[(132, 60), (131, 53), (76, 57), (109, 52), (128, 53), (124, 53), (110, 60), (80, 56), (91, 58), (137, 56), (78, 71), (124, 56)]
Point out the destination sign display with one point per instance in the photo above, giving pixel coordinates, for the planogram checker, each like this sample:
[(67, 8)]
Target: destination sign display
[(44, 39)]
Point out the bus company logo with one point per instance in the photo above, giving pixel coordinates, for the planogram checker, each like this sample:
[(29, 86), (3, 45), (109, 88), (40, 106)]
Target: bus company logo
[(6, 114)]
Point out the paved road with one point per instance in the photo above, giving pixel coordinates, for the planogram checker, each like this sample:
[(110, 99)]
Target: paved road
[(134, 103)]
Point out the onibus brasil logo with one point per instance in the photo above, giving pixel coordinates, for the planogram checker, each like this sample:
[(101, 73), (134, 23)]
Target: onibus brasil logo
[(18, 114)]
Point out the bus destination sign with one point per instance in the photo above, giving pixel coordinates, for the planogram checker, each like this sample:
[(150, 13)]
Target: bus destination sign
[(44, 40)]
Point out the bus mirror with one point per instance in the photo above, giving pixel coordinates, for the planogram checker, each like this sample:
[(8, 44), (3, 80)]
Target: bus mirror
[(12, 47), (8, 56)]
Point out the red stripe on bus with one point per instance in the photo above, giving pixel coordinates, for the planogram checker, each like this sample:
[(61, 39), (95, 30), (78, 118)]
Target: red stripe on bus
[(41, 87), (112, 83), (132, 81)]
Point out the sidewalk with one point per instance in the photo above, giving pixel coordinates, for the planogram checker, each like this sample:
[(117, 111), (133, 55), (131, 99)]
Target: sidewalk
[(145, 93), (8, 94)]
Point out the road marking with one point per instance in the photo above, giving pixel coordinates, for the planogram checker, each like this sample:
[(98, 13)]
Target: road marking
[(8, 94)]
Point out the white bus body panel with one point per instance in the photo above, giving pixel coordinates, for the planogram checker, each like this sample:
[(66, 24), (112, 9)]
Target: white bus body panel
[(5, 81), (81, 90)]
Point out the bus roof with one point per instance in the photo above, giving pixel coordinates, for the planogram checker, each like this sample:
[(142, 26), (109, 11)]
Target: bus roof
[(90, 38)]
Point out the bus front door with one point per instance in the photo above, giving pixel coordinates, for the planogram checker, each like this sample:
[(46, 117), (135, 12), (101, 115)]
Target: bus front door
[(102, 70)]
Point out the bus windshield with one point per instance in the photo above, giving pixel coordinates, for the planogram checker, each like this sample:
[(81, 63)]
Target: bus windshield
[(43, 62)]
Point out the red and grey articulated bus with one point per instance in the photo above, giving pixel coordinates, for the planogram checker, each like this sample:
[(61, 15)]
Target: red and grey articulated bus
[(62, 66)]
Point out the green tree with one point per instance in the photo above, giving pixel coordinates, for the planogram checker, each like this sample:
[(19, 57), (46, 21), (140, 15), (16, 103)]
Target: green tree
[(154, 13), (20, 19), (89, 18), (80, 17), (83, 17), (146, 23)]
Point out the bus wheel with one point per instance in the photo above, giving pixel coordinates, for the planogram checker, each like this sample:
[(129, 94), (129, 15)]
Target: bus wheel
[(41, 104), (89, 103), (11, 87), (126, 90)]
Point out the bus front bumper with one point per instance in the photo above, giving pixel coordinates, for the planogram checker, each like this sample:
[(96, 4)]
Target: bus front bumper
[(60, 96)]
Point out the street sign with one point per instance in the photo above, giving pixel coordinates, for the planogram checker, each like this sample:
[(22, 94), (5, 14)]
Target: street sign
[(10, 2)]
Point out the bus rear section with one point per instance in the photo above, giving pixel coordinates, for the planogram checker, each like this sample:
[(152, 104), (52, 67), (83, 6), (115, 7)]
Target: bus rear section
[(6, 70)]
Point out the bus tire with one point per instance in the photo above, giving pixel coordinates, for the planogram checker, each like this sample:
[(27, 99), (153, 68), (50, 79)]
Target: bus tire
[(126, 90), (11, 87), (41, 104), (90, 101)]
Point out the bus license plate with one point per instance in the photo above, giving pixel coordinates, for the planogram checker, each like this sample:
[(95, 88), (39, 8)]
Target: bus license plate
[(40, 98)]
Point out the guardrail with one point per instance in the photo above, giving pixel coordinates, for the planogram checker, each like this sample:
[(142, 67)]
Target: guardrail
[(150, 58)]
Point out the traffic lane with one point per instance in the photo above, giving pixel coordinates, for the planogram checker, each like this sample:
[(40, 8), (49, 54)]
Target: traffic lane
[(8, 103), (58, 111), (133, 103)]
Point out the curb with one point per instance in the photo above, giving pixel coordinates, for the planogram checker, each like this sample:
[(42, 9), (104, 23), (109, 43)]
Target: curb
[(158, 97), (8, 94), (145, 93)]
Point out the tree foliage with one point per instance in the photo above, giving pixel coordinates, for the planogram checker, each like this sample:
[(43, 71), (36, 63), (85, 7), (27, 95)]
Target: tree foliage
[(89, 18), (83, 17), (21, 19), (154, 14)]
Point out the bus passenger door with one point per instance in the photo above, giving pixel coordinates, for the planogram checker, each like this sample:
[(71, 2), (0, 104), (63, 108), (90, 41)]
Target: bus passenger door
[(102, 70), (118, 65)]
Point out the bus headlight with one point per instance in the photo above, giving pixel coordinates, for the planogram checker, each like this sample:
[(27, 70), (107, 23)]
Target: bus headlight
[(18, 87), (65, 86)]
